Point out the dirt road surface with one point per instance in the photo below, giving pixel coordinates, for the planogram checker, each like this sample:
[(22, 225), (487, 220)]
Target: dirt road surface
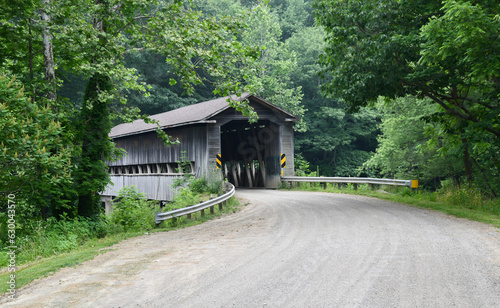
[(291, 249)]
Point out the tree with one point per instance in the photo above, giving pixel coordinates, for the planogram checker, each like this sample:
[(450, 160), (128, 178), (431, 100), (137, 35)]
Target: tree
[(34, 160), (338, 142), (393, 48), (416, 144), (308, 44), (459, 68), (410, 146), (156, 73), (271, 78), (294, 16), (38, 147)]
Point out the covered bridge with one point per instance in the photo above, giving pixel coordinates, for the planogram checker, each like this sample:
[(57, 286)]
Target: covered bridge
[(250, 154)]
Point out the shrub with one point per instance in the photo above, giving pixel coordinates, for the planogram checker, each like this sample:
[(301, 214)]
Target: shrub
[(132, 211), (199, 185), (185, 197)]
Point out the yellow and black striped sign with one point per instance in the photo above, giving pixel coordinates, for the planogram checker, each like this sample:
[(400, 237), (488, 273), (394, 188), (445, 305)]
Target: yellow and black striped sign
[(218, 161), (283, 160)]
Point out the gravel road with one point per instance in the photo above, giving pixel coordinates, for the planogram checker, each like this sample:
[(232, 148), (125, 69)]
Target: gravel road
[(291, 249)]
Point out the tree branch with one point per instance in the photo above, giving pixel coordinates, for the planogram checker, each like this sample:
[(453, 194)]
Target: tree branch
[(129, 23)]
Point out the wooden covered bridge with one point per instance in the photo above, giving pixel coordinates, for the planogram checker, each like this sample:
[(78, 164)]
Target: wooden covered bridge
[(250, 154)]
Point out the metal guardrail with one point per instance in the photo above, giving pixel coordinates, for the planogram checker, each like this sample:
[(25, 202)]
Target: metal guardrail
[(373, 181), (159, 217)]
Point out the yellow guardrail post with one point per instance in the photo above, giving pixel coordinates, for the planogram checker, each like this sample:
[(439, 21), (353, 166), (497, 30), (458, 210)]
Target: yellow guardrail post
[(414, 183)]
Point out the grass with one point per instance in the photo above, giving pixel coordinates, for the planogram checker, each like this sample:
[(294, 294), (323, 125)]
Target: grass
[(459, 202), (43, 267)]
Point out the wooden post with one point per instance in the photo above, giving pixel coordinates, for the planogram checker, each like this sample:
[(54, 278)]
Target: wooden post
[(324, 185)]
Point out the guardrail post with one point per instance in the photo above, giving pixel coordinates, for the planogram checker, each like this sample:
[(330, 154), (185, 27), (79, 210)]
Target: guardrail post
[(188, 215), (339, 185), (202, 212), (156, 218), (212, 207), (312, 184), (355, 186), (324, 185)]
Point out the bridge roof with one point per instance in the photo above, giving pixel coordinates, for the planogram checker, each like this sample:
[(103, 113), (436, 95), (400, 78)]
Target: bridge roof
[(192, 114)]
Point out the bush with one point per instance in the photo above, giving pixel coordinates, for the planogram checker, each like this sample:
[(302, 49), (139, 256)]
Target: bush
[(185, 197), (199, 185), (132, 211)]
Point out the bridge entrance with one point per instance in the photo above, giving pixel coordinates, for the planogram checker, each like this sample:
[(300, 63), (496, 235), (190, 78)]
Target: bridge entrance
[(251, 153)]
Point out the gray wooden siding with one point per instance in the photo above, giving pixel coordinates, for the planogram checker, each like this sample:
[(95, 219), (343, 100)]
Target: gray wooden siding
[(156, 187), (287, 148), (214, 148), (148, 148)]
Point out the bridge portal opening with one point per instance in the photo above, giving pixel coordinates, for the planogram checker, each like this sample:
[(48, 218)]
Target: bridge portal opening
[(251, 153)]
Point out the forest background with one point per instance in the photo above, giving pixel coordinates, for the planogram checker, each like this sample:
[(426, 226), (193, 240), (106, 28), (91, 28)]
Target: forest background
[(392, 88)]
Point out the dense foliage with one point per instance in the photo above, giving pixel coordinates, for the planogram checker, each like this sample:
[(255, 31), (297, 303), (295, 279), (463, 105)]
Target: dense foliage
[(445, 51), (35, 159)]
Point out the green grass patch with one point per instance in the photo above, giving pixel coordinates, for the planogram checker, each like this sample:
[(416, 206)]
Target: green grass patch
[(43, 267)]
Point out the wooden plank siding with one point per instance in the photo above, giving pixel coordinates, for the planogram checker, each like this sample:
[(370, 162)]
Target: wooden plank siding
[(156, 187), (287, 148), (213, 149), (147, 148)]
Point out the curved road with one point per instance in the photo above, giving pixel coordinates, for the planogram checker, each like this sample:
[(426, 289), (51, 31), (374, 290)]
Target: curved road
[(292, 249)]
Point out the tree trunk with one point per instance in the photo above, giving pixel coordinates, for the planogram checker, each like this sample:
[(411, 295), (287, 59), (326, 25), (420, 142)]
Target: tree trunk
[(93, 176), (48, 54), (467, 164)]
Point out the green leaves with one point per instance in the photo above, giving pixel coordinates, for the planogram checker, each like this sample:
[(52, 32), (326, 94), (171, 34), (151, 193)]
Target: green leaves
[(270, 77), (34, 160), (393, 48), (460, 55)]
